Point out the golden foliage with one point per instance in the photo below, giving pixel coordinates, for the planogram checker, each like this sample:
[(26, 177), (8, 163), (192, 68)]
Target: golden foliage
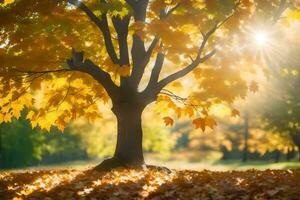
[(37, 36)]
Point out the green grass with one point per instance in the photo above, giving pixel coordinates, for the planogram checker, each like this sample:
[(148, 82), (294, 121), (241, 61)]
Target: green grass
[(261, 165), (181, 162)]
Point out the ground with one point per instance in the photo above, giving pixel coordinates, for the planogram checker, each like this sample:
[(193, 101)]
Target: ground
[(150, 184)]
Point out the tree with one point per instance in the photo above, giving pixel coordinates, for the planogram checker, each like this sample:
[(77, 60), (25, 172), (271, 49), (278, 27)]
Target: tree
[(22, 147), (140, 52), (282, 114)]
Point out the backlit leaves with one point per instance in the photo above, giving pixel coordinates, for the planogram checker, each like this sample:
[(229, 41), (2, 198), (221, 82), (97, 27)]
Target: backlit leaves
[(202, 123), (38, 36), (168, 121)]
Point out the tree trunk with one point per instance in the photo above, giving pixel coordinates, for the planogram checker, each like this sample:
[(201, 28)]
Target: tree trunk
[(1, 161), (129, 148), (277, 156), (246, 137), (290, 155), (129, 142), (296, 140)]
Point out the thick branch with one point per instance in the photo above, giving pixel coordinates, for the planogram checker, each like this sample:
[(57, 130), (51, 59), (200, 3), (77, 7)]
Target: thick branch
[(140, 65), (102, 24), (156, 70), (121, 27), (138, 51), (151, 48), (139, 70), (77, 63)]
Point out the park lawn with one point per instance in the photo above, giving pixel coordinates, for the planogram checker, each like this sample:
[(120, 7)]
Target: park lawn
[(178, 164), (150, 184)]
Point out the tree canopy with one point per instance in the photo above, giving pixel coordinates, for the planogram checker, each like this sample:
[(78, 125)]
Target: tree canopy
[(120, 46)]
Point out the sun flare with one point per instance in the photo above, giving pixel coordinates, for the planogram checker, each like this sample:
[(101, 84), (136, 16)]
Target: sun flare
[(261, 38)]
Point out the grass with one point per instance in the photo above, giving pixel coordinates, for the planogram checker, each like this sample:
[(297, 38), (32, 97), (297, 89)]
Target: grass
[(213, 165)]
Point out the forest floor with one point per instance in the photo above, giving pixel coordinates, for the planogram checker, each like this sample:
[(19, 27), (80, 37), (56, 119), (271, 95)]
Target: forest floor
[(150, 184)]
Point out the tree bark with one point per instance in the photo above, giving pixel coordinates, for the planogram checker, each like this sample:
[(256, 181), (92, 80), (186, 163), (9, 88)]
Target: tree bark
[(277, 156), (246, 137), (296, 140), (129, 148), (299, 153)]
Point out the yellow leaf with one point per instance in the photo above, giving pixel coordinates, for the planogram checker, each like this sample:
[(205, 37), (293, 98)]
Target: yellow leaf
[(8, 2), (30, 115), (48, 121), (66, 106), (293, 14), (1, 118), (177, 84)]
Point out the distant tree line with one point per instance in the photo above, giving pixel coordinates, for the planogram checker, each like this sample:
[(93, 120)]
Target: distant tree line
[(20, 146)]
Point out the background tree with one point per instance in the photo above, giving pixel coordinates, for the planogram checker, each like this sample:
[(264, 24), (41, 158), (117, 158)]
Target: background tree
[(141, 49), (282, 115), (23, 147)]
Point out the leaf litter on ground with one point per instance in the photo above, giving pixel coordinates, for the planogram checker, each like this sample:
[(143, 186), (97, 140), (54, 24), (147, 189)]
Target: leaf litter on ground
[(152, 184)]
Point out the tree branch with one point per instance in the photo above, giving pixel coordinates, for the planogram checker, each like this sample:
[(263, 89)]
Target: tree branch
[(102, 24), (183, 72), (151, 48), (156, 69), (42, 72), (121, 27), (179, 74), (77, 63), (164, 14), (139, 69)]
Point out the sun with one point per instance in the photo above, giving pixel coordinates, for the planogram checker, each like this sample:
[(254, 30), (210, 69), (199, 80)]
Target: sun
[(261, 38)]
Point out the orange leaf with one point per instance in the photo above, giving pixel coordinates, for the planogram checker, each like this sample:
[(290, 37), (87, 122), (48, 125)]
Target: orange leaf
[(199, 123), (204, 122), (168, 121), (210, 122)]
